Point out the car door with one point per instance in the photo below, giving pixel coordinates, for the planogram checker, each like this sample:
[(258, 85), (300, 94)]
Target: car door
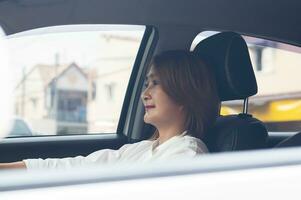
[(82, 99)]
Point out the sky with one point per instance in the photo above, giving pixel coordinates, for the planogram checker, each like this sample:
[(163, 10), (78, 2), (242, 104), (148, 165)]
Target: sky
[(78, 44)]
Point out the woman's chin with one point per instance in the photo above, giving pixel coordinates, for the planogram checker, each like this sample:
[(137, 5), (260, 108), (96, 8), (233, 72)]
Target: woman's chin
[(147, 119)]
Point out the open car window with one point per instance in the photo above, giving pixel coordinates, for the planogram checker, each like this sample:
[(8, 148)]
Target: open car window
[(277, 70), (71, 79)]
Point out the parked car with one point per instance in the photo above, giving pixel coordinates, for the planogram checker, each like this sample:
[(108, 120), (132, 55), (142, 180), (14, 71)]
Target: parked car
[(19, 128), (111, 43)]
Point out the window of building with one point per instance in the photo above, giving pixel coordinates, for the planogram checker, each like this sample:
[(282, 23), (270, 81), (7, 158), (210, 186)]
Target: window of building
[(110, 91)]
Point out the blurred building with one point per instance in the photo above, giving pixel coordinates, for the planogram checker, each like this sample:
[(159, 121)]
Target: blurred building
[(54, 98), (72, 99)]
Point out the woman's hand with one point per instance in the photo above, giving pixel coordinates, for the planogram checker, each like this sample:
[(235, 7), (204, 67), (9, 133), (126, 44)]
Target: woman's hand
[(13, 165)]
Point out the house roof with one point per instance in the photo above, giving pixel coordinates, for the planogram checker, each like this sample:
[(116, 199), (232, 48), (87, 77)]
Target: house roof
[(49, 72)]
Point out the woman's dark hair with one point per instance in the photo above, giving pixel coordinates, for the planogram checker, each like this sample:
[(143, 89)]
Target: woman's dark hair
[(191, 83)]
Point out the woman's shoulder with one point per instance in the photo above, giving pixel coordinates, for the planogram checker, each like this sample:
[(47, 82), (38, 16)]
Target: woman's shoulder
[(195, 143), (138, 144)]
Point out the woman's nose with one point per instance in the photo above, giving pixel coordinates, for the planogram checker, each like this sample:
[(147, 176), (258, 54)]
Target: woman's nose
[(145, 94)]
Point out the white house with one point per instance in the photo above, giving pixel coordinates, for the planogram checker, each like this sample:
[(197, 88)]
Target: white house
[(54, 98)]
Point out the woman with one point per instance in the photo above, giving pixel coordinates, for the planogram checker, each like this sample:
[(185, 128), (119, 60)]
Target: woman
[(181, 102)]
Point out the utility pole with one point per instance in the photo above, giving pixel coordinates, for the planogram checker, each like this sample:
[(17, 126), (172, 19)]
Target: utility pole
[(23, 95), (55, 92)]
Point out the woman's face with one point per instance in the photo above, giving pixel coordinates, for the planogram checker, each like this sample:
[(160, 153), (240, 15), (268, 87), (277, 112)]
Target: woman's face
[(160, 109)]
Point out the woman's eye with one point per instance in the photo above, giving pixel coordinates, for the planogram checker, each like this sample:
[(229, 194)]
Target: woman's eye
[(146, 84), (155, 82)]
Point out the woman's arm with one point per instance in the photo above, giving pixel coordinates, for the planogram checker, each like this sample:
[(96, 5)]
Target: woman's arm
[(13, 165)]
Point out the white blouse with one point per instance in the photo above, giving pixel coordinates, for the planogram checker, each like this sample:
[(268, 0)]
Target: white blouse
[(180, 146)]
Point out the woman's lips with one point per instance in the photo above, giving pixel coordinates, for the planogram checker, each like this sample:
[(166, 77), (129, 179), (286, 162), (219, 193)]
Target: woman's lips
[(149, 107)]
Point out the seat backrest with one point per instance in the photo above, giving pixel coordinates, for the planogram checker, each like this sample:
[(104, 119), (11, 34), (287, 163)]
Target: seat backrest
[(236, 132), (228, 54)]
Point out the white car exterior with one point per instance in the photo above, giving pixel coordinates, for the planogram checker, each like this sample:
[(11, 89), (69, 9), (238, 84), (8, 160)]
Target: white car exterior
[(246, 175)]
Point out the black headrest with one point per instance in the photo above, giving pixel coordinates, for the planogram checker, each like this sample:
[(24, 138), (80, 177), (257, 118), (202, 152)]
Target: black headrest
[(228, 53)]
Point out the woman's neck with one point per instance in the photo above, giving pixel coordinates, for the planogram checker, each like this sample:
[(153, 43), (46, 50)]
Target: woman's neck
[(169, 132)]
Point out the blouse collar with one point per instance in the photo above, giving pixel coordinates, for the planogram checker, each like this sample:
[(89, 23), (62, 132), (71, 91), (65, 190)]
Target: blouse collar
[(156, 144)]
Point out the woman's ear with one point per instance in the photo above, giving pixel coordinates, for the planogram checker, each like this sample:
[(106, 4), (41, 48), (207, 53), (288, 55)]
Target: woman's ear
[(183, 110)]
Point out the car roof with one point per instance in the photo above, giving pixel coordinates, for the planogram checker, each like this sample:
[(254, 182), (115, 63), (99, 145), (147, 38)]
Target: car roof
[(271, 19)]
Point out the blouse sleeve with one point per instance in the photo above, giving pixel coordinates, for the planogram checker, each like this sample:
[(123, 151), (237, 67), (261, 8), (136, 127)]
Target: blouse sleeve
[(101, 157)]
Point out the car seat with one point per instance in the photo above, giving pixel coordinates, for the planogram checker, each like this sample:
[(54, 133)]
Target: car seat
[(227, 53)]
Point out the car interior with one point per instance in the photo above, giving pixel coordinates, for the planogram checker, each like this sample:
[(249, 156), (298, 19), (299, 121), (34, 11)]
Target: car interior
[(165, 29)]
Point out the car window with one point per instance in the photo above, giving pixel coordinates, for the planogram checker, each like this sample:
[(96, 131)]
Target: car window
[(277, 69), (71, 79)]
